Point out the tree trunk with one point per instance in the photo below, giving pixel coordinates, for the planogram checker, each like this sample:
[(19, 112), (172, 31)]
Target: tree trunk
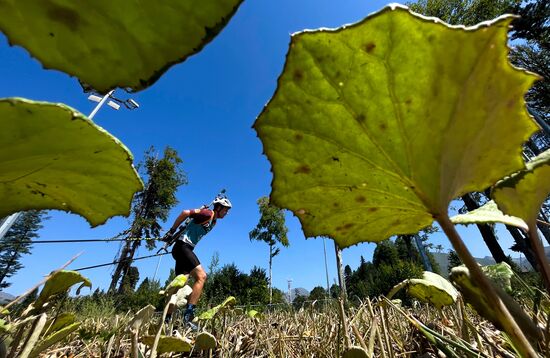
[(118, 270), (423, 255), (270, 273), (341, 280), (486, 232), (127, 263), (545, 229), (523, 245)]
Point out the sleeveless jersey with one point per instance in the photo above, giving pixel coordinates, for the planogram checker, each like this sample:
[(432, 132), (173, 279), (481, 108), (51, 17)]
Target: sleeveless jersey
[(202, 221)]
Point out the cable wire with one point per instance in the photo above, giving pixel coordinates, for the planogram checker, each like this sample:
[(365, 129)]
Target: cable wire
[(116, 262), (92, 240)]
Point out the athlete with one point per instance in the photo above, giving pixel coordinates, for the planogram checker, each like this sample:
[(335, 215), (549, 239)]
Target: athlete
[(200, 222)]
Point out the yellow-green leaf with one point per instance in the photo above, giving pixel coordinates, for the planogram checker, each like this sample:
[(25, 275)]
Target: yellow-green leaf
[(178, 282), (375, 127), (129, 43), (62, 320), (523, 193), (169, 344), (432, 288), (488, 213), (205, 341), (59, 282), (54, 338), (53, 157), (209, 314)]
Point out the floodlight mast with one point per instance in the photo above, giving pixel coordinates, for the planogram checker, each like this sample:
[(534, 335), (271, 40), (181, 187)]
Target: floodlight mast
[(100, 104)]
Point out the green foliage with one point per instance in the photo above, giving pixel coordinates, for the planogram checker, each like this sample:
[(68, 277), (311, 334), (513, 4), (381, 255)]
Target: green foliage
[(150, 206), (53, 140), (271, 227), (372, 280), (79, 38), (248, 289), (454, 260), (318, 293), (17, 242), (335, 290), (385, 254), (130, 281), (153, 204), (325, 141), (463, 12)]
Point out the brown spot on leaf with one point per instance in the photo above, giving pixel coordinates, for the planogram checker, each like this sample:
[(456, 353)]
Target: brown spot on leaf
[(298, 75), (361, 117), (360, 199), (372, 210), (303, 169), (409, 101), (64, 15), (335, 205), (383, 126), (370, 47), (298, 136), (349, 226)]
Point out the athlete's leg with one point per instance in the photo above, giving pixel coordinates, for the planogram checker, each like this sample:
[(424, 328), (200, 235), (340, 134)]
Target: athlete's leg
[(199, 275)]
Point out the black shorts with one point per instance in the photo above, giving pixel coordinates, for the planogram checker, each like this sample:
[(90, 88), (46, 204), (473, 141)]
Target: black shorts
[(186, 260)]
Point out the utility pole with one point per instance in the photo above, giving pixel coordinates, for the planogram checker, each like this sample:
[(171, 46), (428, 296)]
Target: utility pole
[(289, 281)]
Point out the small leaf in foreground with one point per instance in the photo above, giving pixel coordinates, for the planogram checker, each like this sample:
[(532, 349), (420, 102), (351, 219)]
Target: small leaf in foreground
[(53, 157), (59, 282), (205, 341), (432, 288), (169, 344), (488, 213), (523, 193)]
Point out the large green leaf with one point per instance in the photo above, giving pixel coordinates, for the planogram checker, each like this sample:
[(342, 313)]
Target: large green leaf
[(53, 157), (169, 344), (375, 127), (488, 213), (523, 193), (432, 288), (59, 282), (129, 43)]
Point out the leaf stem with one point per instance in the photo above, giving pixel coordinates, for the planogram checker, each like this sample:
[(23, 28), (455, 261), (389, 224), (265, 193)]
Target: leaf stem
[(542, 261), (507, 320)]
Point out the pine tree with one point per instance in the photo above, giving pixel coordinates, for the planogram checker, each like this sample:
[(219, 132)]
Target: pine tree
[(17, 242), (150, 206)]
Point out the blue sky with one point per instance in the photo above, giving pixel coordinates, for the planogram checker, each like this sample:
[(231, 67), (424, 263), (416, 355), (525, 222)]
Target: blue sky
[(204, 108)]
